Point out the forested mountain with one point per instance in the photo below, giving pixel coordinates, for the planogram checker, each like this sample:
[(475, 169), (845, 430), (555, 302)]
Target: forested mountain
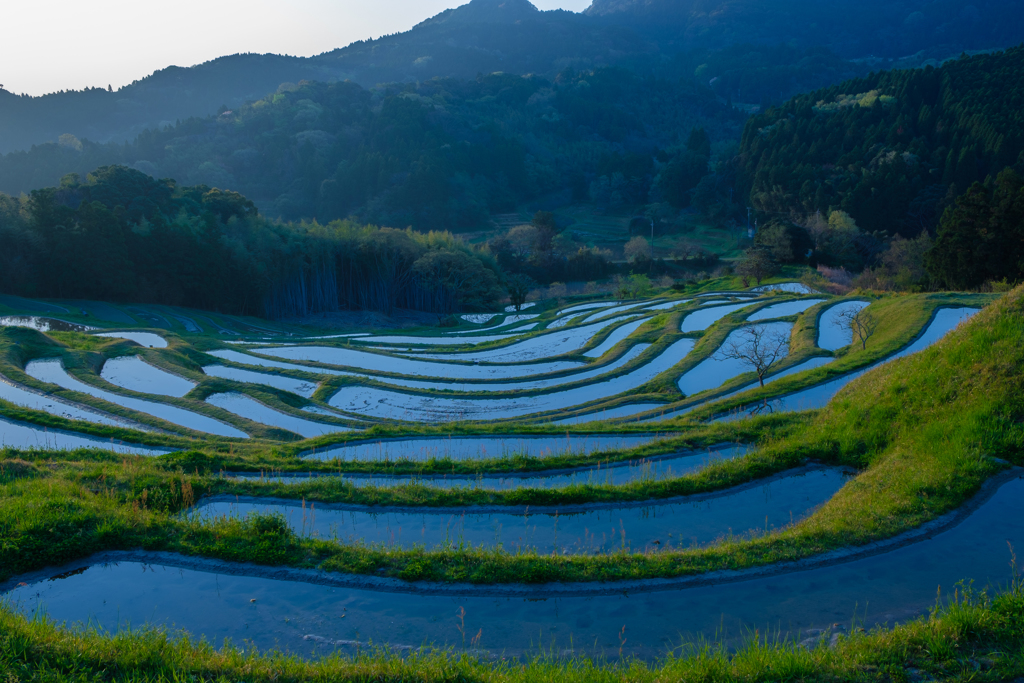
[(441, 154), (854, 29), (120, 235), (733, 45), (894, 149)]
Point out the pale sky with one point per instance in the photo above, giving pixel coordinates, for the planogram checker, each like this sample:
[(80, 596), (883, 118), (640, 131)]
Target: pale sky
[(72, 44)]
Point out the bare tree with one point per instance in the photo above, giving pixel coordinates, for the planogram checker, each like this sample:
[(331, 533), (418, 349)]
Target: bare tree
[(761, 347), (859, 322)]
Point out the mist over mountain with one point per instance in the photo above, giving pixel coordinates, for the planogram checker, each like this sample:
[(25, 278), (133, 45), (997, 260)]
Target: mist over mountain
[(752, 50)]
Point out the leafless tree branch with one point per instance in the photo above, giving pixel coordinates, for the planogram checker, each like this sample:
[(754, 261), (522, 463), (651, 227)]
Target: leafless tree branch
[(760, 347)]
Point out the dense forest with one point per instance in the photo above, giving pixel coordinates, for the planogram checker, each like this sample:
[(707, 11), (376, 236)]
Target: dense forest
[(437, 155), (893, 149), (121, 235), (920, 169), (751, 51)]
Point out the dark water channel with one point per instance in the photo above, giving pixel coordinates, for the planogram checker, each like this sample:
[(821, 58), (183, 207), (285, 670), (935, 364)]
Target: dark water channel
[(580, 529), (306, 617)]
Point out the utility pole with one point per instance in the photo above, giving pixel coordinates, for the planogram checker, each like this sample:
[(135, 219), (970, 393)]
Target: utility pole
[(652, 240)]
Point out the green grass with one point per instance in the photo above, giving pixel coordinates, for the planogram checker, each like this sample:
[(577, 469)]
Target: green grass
[(974, 637)]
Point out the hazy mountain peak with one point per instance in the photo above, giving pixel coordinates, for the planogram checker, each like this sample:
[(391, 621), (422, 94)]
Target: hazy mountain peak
[(488, 11), (604, 7)]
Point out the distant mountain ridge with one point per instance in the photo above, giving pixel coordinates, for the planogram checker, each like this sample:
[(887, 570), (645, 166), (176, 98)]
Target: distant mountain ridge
[(667, 38)]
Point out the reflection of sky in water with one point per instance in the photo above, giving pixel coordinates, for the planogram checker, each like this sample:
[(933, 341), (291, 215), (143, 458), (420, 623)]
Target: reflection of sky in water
[(831, 336), (305, 618), (945, 320), (585, 530), (654, 468), (251, 409), (135, 374), (21, 435), (478, 447), (713, 371), (53, 372), (22, 396), (387, 404)]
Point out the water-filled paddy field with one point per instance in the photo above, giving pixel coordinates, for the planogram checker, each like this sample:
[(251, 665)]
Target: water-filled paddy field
[(607, 473), (478, 447), (302, 611), (494, 442), (580, 529)]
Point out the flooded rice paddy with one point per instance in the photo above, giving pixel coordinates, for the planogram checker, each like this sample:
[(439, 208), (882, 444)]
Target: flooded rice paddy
[(703, 319), (610, 413), (302, 613), (52, 372), (27, 398), (715, 370), (42, 324), (831, 336), (251, 409), (135, 374), (784, 310), (564, 530), (378, 363), (479, 447), (944, 321), (394, 405), (593, 317), (147, 339), (653, 468), (542, 346), (615, 337), (809, 364), (788, 287), (299, 387), (667, 306), (15, 434), (527, 385)]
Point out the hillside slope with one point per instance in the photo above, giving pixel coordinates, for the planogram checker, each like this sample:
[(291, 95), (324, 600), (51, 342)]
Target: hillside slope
[(666, 38), (892, 149)]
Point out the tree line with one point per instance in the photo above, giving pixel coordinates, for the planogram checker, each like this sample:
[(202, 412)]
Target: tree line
[(121, 235), (908, 162)]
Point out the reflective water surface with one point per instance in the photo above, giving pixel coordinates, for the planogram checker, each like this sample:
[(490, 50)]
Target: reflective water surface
[(480, 447), (585, 529), (653, 468), (306, 618), (24, 435)]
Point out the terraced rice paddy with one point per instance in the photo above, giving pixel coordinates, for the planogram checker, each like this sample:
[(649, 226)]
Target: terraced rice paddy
[(53, 372), (25, 436), (477, 447), (653, 468), (135, 374), (581, 529), (399, 489), (817, 396)]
